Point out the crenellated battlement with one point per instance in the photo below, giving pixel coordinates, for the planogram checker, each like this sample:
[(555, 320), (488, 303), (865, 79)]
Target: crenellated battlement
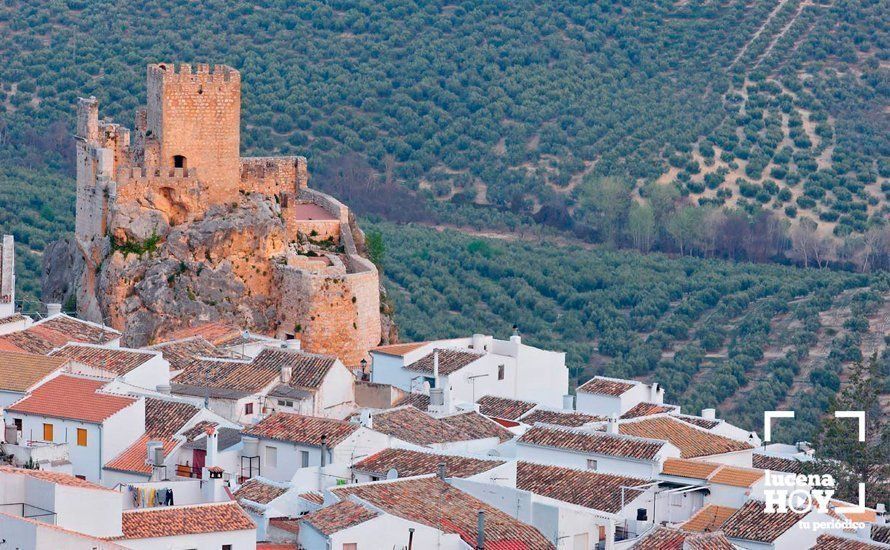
[(200, 72)]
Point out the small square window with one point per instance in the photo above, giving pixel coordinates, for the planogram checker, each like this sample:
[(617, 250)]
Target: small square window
[(48, 432), (500, 372), (81, 437), (271, 457), (591, 464), (304, 459), (248, 408)]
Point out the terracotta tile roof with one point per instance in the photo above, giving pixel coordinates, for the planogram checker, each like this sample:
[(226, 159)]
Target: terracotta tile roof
[(258, 490), (605, 386), (198, 429), (238, 377), (867, 516), (414, 426), (180, 353), (307, 369), (291, 525), (14, 318), (298, 428), (165, 418), (414, 463), (689, 468), (832, 542), (80, 331), (419, 400), (217, 333), (593, 442), (173, 521), (435, 503), (710, 518), (589, 489), (339, 516), (399, 350), (313, 497), (279, 522), (477, 426), (751, 522), (34, 339), (501, 407), (94, 543), (73, 398), (450, 360), (43, 336), (132, 459), (20, 371), (647, 409), (559, 418), (53, 477), (736, 476), (777, 464), (698, 421), (666, 538), (880, 533), (691, 441), (117, 361)]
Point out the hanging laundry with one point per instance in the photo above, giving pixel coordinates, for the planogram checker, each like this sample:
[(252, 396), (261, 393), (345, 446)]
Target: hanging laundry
[(169, 500)]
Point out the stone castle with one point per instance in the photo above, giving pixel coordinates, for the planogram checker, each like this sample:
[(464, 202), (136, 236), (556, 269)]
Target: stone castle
[(174, 228)]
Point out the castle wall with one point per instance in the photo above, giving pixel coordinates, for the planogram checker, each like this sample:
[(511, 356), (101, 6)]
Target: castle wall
[(330, 315), (273, 175), (197, 115)]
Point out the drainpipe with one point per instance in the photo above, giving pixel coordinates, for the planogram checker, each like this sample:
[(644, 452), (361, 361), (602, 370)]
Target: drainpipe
[(480, 531), (324, 448), (410, 538)]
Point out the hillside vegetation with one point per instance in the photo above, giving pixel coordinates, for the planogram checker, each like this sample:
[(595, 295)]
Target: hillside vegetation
[(495, 113), (740, 337)]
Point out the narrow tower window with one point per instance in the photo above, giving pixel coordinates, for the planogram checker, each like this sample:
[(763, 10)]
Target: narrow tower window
[(179, 161)]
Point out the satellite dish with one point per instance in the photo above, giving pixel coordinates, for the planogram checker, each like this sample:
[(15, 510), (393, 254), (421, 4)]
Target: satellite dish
[(392, 474)]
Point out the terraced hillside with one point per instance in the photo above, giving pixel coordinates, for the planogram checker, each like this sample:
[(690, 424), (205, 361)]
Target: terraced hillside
[(740, 337), (490, 114)]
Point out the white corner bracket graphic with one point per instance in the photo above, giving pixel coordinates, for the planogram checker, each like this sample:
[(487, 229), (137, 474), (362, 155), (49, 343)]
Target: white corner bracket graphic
[(859, 415), (768, 422)]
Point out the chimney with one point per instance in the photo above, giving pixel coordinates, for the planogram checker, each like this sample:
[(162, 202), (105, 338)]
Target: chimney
[(286, 374), (212, 456), (366, 419), (436, 367), (515, 338), (709, 414), (480, 531), (612, 426), (437, 401), (442, 471), (656, 394), (53, 309), (568, 402), (881, 513), (479, 343)]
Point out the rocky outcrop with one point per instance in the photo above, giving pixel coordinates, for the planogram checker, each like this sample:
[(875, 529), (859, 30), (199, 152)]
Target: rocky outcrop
[(219, 268)]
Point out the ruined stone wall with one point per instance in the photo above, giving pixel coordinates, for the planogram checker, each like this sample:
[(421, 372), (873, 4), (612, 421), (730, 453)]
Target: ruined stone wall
[(336, 315), (273, 175), (197, 115)]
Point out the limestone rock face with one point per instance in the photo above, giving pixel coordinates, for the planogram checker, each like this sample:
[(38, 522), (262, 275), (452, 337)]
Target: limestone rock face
[(217, 268)]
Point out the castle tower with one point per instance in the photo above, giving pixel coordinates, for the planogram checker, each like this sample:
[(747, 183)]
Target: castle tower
[(193, 121)]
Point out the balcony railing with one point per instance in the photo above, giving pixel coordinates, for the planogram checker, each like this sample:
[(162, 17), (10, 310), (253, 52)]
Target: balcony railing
[(29, 511)]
